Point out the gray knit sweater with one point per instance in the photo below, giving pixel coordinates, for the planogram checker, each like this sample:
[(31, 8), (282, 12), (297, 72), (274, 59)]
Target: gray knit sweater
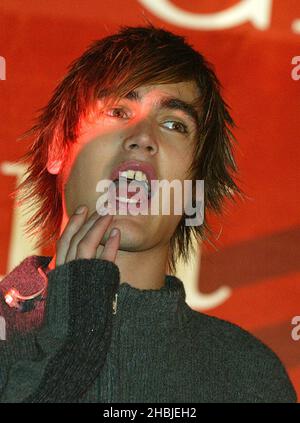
[(81, 345)]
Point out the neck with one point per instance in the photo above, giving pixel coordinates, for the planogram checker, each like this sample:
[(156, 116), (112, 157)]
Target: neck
[(143, 269)]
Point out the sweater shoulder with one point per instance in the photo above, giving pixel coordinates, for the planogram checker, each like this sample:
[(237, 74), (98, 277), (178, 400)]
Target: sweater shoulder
[(245, 356), (226, 334)]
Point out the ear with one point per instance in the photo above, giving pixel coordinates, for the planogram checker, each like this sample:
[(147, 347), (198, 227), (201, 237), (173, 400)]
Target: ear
[(54, 161), (54, 166)]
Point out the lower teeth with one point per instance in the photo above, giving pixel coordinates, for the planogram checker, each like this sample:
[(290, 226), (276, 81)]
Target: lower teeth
[(126, 200)]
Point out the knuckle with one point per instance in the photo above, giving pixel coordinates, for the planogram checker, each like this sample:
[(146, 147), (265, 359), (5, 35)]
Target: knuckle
[(82, 246), (74, 224)]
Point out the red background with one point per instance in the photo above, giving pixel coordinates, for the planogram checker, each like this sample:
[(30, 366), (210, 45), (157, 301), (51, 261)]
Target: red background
[(258, 256)]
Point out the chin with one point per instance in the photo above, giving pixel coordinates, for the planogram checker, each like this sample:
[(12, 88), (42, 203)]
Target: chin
[(133, 236)]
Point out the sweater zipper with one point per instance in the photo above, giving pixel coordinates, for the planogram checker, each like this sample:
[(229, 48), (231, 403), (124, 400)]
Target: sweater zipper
[(114, 304)]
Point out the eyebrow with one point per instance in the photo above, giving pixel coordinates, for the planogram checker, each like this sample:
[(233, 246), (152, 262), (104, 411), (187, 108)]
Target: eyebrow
[(172, 103)]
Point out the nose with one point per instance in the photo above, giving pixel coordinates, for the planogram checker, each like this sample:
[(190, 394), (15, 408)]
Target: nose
[(141, 136)]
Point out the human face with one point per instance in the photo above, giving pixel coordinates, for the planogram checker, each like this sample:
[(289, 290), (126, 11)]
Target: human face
[(146, 127)]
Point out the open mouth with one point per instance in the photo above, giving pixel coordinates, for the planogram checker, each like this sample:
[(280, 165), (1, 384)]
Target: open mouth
[(134, 184), (131, 182)]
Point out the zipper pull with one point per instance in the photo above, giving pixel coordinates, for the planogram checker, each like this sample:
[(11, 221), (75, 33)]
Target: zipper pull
[(114, 304)]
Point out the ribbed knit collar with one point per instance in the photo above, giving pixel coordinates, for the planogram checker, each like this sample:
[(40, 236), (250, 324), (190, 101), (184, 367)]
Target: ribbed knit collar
[(163, 307)]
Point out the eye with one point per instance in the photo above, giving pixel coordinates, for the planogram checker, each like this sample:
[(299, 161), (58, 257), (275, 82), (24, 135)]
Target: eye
[(176, 126), (118, 112)]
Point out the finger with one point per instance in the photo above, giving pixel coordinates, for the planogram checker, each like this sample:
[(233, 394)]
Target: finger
[(62, 245), (76, 238), (87, 246), (112, 245)]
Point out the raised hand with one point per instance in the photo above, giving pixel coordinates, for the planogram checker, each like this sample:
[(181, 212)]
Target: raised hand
[(81, 238)]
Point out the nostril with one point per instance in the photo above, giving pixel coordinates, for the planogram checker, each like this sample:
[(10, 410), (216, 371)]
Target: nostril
[(132, 146)]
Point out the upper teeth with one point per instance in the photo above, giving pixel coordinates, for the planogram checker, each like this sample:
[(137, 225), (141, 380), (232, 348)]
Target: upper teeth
[(138, 175)]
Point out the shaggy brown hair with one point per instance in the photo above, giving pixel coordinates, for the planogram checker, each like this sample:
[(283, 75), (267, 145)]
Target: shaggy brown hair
[(116, 65)]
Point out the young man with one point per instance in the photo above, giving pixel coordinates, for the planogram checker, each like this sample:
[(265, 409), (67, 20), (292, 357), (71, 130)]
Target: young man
[(101, 321)]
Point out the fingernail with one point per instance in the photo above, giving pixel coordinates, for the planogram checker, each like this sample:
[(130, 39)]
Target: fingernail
[(113, 233), (80, 210)]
